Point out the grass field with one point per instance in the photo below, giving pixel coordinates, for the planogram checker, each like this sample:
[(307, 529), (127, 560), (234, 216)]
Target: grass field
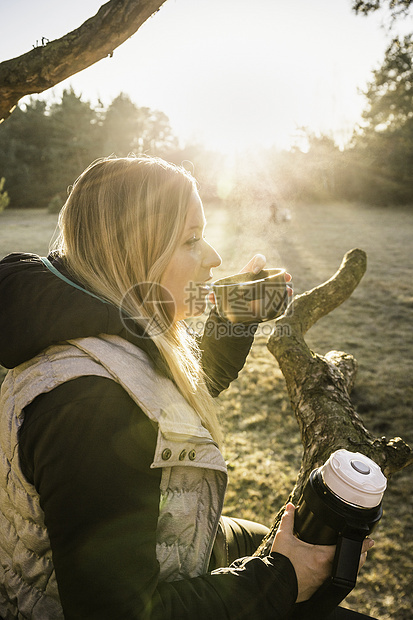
[(262, 441)]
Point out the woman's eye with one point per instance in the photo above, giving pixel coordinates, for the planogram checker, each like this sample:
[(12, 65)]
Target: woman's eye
[(192, 241)]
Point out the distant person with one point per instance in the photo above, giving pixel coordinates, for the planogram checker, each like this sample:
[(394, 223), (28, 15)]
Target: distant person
[(111, 476), (278, 214), (274, 213)]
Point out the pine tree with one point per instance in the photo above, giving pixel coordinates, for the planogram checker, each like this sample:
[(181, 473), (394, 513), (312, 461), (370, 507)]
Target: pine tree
[(383, 144)]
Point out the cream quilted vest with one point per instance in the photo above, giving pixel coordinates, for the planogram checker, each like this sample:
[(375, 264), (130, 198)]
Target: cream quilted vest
[(193, 472)]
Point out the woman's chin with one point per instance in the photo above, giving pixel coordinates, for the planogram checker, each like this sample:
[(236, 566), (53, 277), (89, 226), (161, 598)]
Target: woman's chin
[(196, 310)]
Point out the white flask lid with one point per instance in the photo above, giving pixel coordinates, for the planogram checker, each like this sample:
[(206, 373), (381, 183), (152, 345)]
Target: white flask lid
[(354, 478)]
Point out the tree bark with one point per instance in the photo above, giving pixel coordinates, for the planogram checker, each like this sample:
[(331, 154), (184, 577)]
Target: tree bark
[(47, 65), (319, 387)]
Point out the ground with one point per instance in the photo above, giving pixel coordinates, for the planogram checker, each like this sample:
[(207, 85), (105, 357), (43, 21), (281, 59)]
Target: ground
[(262, 445)]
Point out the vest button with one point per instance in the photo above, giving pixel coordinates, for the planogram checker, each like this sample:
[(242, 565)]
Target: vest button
[(182, 455), (192, 455), (166, 454)]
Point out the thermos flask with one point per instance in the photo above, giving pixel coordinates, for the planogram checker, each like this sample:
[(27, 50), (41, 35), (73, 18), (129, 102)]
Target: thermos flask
[(340, 505)]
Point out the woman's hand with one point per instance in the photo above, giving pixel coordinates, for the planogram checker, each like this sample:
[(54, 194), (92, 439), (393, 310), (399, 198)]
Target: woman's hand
[(312, 563), (257, 264)]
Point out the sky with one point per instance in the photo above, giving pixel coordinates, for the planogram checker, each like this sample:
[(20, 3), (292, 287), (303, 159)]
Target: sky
[(231, 74)]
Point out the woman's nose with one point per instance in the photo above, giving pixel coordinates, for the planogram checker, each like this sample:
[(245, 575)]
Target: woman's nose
[(212, 258)]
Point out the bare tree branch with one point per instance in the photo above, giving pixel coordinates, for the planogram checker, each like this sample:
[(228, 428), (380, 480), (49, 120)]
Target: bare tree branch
[(313, 305), (319, 387), (47, 65)]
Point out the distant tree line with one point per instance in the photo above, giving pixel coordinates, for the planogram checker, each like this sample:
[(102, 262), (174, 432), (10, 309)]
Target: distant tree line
[(43, 148)]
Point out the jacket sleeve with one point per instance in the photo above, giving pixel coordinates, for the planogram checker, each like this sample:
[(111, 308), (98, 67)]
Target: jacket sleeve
[(87, 448), (224, 347)]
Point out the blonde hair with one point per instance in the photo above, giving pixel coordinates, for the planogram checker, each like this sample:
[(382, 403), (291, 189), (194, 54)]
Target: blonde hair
[(119, 228)]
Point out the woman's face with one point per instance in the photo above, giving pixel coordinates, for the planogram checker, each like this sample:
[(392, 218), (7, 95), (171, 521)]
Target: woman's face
[(190, 266)]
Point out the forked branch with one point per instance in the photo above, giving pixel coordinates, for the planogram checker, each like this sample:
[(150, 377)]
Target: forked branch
[(319, 386)]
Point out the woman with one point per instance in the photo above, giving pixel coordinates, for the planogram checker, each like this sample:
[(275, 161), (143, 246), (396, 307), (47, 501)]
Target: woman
[(111, 474)]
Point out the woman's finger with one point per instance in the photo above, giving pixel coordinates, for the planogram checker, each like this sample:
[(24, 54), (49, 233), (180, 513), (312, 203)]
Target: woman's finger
[(287, 520), (256, 264), (368, 543)]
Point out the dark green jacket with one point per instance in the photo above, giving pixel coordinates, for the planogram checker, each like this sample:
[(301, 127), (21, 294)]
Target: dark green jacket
[(87, 448)]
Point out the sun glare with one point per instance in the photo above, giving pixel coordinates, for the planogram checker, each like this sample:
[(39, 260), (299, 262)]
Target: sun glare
[(233, 75), (246, 78)]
